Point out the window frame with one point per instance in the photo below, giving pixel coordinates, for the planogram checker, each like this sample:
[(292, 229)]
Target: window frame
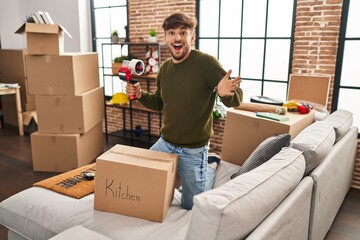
[(262, 80), (340, 57), (102, 67)]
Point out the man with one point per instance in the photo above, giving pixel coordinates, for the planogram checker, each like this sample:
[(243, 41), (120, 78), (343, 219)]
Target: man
[(187, 85)]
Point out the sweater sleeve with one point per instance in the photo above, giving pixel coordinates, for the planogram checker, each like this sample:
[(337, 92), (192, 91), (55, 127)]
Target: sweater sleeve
[(233, 101), (152, 101)]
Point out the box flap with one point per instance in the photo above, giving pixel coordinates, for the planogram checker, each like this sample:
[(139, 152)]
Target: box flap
[(27, 116), (21, 29), (312, 88), (65, 31), (42, 28)]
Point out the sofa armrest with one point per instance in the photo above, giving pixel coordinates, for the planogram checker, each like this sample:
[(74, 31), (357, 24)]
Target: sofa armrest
[(332, 180), (290, 220)]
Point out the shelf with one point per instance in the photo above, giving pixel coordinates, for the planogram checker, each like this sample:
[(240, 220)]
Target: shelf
[(135, 105), (136, 44), (144, 136), (127, 109)]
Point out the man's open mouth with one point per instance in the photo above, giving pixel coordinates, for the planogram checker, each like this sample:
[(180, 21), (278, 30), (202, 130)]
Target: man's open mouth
[(177, 46)]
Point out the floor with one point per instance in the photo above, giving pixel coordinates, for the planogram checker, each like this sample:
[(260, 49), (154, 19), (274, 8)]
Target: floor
[(16, 174)]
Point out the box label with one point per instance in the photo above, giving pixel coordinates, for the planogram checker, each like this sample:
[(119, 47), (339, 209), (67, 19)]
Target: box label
[(120, 190)]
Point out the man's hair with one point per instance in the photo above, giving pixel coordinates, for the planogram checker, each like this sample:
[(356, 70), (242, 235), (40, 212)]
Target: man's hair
[(179, 19)]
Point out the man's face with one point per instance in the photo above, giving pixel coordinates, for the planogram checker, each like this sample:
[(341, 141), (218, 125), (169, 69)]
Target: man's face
[(179, 42)]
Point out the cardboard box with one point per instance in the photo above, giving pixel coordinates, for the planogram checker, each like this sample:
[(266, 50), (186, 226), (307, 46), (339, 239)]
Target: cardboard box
[(70, 114), (12, 63), (67, 74), (314, 89), (64, 152), (43, 39), (135, 182), (244, 131), (9, 110)]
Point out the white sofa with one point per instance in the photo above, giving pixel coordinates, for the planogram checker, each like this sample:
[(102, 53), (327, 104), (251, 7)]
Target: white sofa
[(272, 201)]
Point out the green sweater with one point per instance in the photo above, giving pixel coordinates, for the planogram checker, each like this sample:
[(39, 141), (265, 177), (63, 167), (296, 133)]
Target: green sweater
[(185, 96)]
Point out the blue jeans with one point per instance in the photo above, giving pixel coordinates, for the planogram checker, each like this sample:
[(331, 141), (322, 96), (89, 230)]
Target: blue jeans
[(195, 174)]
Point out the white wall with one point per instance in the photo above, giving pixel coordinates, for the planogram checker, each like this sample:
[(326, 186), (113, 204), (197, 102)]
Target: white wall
[(74, 15)]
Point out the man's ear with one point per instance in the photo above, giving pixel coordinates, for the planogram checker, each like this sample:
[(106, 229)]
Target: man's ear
[(193, 37)]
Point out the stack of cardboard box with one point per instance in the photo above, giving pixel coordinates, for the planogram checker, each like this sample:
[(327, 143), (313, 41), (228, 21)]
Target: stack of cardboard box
[(68, 98)]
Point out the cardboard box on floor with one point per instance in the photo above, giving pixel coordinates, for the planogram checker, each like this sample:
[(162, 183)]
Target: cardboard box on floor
[(70, 114), (12, 63), (64, 152), (244, 131), (67, 74), (135, 182), (43, 39)]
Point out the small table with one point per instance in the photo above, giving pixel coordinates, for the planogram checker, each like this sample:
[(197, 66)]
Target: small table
[(16, 91)]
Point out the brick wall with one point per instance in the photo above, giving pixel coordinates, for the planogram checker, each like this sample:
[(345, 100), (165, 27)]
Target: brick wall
[(315, 45), (146, 14)]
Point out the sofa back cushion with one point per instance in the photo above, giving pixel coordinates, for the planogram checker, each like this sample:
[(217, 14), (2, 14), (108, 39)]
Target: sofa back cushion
[(341, 120), (315, 141), (234, 209)]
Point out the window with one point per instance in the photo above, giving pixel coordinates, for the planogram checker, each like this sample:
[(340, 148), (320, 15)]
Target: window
[(253, 38), (347, 85), (107, 16)]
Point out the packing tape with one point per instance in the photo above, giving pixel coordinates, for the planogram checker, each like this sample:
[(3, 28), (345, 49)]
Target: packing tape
[(143, 157)]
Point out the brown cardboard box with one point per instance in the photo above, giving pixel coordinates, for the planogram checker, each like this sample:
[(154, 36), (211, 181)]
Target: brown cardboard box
[(70, 114), (9, 110), (67, 74), (244, 131), (12, 63), (314, 89), (43, 39), (64, 152), (135, 182)]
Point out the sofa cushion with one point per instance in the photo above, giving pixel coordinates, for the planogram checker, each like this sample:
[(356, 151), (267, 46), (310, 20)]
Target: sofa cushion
[(234, 209), (39, 213), (266, 150), (79, 233), (341, 120), (315, 141)]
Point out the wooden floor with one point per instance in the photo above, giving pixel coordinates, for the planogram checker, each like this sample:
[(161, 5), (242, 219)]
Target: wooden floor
[(16, 174)]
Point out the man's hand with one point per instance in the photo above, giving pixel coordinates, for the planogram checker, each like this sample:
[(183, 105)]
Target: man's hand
[(227, 86), (133, 89)]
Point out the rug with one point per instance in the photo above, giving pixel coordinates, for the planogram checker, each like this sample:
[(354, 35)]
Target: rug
[(76, 183)]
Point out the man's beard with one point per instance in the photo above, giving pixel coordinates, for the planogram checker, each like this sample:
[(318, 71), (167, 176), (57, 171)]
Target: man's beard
[(179, 57)]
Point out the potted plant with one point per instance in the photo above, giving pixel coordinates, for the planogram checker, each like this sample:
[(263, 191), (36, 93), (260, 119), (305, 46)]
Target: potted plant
[(152, 35), (115, 36), (117, 62)]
